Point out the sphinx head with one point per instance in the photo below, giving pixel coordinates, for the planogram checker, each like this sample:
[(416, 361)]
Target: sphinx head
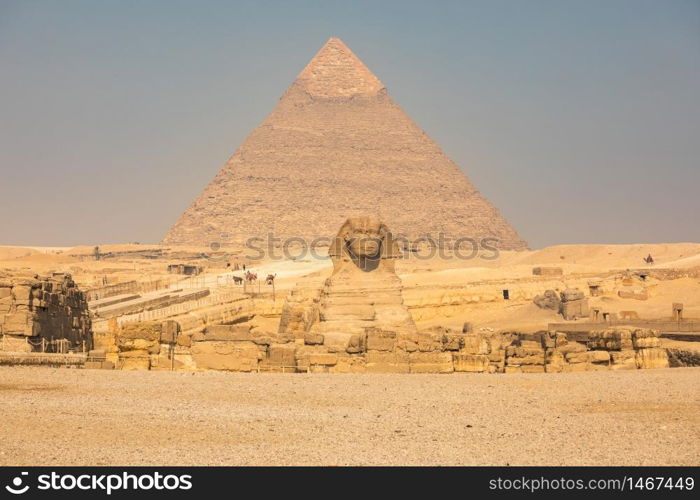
[(364, 242)]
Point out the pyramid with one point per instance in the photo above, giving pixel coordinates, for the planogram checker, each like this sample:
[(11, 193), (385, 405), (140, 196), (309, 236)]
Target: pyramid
[(337, 146)]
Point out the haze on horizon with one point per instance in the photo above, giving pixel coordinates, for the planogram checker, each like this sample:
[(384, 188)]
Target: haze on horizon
[(579, 121)]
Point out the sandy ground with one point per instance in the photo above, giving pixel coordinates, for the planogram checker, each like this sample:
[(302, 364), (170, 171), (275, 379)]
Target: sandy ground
[(66, 417)]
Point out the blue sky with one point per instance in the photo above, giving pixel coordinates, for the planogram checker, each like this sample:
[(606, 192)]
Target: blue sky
[(579, 120)]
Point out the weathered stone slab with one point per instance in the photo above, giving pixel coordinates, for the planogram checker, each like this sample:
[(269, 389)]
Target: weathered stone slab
[(430, 362), (651, 358), (474, 363), (387, 362)]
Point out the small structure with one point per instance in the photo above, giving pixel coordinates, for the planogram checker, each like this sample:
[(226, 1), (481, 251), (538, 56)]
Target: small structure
[(185, 269), (547, 271), (574, 304), (678, 311)]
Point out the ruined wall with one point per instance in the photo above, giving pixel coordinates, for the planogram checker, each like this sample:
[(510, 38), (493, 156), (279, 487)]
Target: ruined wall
[(48, 308), (102, 292), (242, 349)]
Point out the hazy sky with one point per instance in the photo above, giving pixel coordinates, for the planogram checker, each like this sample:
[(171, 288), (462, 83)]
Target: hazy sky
[(579, 120)]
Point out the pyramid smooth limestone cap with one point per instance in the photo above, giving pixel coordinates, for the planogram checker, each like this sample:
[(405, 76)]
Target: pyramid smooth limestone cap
[(336, 72)]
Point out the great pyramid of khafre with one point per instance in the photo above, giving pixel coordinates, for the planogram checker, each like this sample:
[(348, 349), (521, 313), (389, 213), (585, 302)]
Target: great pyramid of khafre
[(337, 146)]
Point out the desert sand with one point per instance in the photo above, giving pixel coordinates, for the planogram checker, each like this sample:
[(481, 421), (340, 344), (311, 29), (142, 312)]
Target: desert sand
[(97, 417)]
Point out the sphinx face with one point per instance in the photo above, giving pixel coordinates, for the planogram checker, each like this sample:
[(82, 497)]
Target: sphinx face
[(365, 246)]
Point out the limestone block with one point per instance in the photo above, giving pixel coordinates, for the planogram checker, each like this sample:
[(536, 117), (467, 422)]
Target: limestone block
[(328, 359), (513, 369), (134, 360), (575, 309), (534, 345), (97, 353), (623, 360), (430, 362), (5, 305), (522, 352), (357, 344), (153, 347), (387, 362), (588, 357), (599, 357), (428, 342), (5, 292), (651, 358), (380, 340), (135, 363), (554, 361), (143, 330), (227, 355), (335, 341), (303, 354), (313, 339), (643, 338), (571, 347), (184, 340), (532, 369), (407, 342), (532, 359), (572, 294), (18, 323), (498, 356), (611, 339), (349, 364), (22, 294), (452, 341), (282, 355), (475, 363), (474, 343)]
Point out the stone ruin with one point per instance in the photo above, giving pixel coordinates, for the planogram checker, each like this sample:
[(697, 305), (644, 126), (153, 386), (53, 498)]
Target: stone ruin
[(547, 271), (574, 304), (43, 314), (357, 322), (438, 350), (570, 303)]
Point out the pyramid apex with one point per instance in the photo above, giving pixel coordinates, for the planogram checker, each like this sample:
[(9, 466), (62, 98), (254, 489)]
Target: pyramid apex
[(336, 72)]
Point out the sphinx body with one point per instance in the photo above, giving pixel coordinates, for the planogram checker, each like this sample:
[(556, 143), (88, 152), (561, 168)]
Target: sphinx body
[(363, 293)]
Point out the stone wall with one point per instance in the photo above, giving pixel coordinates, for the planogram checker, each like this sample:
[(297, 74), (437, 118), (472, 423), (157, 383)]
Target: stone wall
[(242, 349), (37, 312)]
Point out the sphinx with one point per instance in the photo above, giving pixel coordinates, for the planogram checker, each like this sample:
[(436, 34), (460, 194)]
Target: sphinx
[(361, 298)]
